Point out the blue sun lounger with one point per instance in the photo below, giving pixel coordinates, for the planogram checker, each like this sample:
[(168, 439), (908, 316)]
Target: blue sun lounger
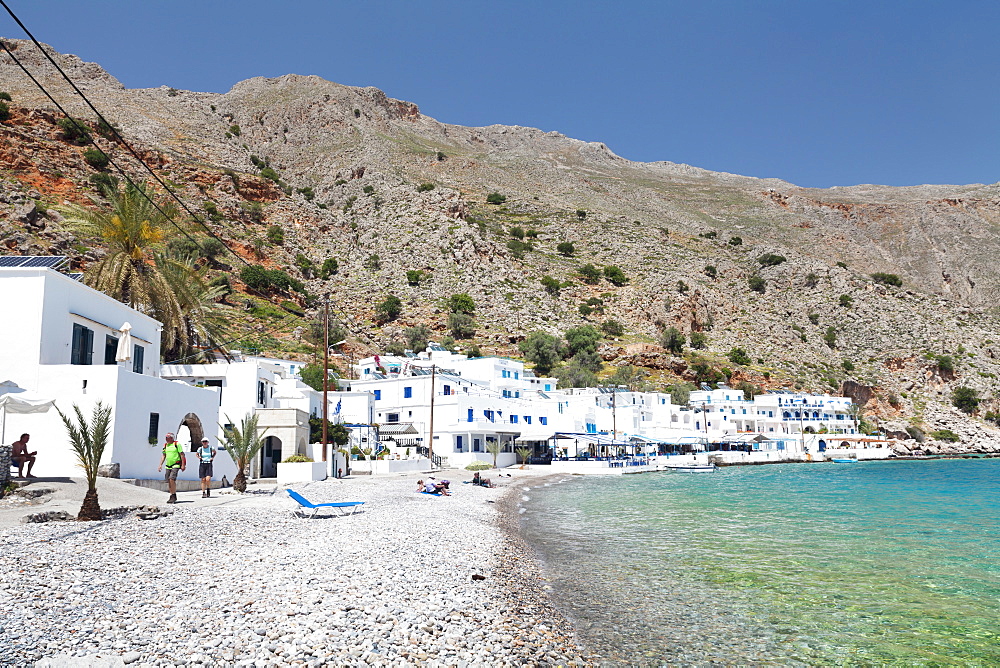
[(342, 506)]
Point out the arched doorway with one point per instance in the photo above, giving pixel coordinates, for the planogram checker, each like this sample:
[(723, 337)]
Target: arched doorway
[(822, 445), (270, 455), (190, 432)]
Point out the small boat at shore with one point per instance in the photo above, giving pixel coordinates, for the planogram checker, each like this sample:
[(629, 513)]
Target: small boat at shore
[(693, 468), (844, 460)]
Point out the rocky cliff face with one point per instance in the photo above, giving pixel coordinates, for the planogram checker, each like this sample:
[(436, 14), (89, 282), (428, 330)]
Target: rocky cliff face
[(351, 167)]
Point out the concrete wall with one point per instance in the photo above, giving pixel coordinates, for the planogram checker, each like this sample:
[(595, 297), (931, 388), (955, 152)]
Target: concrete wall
[(133, 397)]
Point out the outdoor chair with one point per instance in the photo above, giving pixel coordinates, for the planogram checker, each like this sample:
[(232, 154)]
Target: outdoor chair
[(342, 506)]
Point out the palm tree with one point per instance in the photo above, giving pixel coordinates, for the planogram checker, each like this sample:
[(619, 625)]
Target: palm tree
[(133, 271), (242, 443), (524, 452), (494, 447), (89, 441), (204, 321)]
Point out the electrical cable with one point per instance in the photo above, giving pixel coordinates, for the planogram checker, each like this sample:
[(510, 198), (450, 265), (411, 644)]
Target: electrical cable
[(140, 190), (118, 136), (90, 139), (135, 154)]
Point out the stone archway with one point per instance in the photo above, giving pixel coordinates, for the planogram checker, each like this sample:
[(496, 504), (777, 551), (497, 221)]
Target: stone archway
[(190, 432)]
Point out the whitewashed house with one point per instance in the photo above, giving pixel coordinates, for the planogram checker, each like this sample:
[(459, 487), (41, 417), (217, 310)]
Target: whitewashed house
[(272, 389), (60, 342)]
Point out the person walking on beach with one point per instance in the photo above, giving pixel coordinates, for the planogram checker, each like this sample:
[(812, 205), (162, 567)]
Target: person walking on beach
[(206, 453), (175, 461), (19, 455)]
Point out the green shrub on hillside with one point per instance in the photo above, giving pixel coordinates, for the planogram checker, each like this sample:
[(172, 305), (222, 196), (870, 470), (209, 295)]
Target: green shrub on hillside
[(96, 158), (612, 328), (590, 274), (887, 279), (496, 198), (461, 325), (673, 340), (615, 275), (389, 309), (739, 356), (4, 112), (425, 187), (74, 131), (551, 285), (965, 399), (830, 338), (946, 435), (757, 284), (461, 303), (276, 235), (770, 260), (735, 241), (329, 268), (566, 248)]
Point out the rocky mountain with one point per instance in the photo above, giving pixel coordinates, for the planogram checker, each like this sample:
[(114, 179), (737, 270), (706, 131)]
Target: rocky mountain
[(351, 174)]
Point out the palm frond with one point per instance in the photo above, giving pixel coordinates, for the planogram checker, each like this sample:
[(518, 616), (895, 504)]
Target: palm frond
[(242, 441), (89, 439)]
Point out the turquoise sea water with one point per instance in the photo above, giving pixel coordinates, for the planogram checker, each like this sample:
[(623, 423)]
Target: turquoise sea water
[(853, 564)]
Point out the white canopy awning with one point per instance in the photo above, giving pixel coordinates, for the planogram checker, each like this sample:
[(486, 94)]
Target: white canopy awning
[(15, 399)]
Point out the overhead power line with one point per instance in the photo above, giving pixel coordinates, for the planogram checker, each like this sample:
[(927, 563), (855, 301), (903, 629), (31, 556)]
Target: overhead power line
[(113, 130), (121, 140)]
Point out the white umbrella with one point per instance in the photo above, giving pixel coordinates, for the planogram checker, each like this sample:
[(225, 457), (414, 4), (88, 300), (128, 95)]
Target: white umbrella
[(124, 353), (14, 399)]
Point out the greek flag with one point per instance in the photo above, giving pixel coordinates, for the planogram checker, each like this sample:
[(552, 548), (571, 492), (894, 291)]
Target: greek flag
[(337, 409)]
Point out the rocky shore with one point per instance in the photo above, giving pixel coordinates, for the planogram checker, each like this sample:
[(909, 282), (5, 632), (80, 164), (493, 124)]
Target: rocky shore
[(244, 583)]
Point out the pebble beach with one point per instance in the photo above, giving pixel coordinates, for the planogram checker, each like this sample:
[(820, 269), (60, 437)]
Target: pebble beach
[(241, 581)]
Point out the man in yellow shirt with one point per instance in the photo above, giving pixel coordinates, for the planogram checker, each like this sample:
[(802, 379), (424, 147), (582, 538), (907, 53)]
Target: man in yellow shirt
[(175, 461)]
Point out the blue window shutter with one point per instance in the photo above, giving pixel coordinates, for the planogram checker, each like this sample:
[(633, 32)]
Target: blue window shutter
[(407, 392), (471, 416), (378, 395)]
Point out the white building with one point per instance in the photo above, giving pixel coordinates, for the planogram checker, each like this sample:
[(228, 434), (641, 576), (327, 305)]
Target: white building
[(271, 389), (488, 400), (60, 343)]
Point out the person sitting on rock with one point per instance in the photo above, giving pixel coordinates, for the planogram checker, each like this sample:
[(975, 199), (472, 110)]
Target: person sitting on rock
[(19, 455)]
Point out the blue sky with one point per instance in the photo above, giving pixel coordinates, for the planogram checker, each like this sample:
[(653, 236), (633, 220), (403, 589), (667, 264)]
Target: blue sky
[(816, 93)]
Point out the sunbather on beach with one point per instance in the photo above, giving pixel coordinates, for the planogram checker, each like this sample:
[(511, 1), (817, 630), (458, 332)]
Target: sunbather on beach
[(479, 480)]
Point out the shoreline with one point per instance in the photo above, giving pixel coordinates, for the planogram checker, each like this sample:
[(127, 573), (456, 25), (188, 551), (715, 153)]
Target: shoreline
[(521, 573), (242, 582)]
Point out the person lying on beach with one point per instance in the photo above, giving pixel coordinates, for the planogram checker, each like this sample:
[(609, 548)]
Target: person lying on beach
[(479, 480), (431, 487)]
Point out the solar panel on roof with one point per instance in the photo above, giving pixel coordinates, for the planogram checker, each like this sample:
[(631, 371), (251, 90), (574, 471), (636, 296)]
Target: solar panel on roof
[(52, 261)]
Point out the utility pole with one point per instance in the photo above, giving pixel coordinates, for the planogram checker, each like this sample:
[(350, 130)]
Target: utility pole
[(430, 443), (326, 366)]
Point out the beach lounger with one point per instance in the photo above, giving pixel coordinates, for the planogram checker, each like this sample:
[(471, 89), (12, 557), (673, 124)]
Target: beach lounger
[(342, 506)]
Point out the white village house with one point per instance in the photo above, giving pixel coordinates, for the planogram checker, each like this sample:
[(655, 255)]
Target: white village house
[(61, 343), (482, 401)]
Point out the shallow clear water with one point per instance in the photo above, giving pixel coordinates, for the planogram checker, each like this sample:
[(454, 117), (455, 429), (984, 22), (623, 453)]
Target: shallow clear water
[(868, 563)]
